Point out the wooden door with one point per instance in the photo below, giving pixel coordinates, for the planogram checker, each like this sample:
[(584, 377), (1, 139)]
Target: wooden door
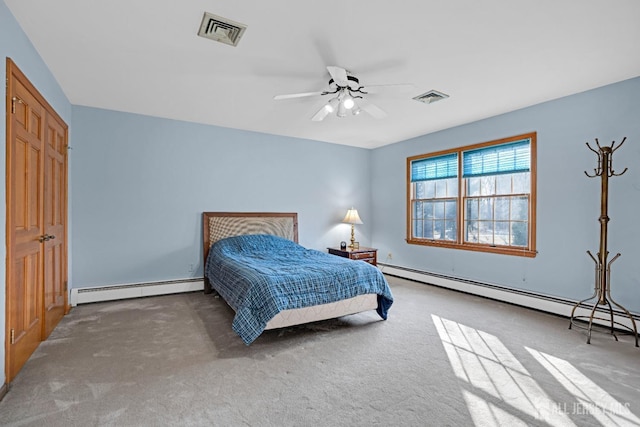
[(24, 171), (55, 197), (36, 209)]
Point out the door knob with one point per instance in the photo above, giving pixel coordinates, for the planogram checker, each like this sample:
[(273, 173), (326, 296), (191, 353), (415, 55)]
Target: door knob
[(46, 238)]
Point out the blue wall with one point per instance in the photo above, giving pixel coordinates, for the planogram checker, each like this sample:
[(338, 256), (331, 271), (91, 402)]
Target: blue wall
[(15, 45), (141, 183), (568, 202)]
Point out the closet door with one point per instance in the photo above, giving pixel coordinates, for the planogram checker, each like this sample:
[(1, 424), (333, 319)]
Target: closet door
[(55, 214), (36, 297), (25, 156)]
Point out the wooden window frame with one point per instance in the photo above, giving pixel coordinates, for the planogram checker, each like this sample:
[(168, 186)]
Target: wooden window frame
[(528, 251)]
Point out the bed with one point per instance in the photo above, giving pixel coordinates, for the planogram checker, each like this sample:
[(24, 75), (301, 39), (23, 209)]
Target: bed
[(254, 262)]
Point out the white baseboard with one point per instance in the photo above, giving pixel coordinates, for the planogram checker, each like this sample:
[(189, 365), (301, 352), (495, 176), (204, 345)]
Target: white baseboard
[(527, 299), (134, 290)]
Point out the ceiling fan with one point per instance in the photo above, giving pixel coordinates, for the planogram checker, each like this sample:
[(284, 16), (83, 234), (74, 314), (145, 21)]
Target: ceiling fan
[(348, 95)]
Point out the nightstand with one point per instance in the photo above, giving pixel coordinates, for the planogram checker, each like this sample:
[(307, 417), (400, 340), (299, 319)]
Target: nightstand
[(369, 255)]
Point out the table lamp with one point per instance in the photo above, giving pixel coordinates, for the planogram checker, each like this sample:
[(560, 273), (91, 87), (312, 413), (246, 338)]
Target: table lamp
[(352, 218)]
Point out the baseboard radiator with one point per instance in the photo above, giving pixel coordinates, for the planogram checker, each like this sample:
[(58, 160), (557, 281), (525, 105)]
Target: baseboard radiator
[(134, 290), (527, 299)]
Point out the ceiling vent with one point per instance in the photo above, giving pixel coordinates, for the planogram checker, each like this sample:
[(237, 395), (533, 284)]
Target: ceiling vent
[(431, 97), (221, 29)]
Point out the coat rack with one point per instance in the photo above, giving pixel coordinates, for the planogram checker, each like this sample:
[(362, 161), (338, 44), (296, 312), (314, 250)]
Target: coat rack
[(602, 290)]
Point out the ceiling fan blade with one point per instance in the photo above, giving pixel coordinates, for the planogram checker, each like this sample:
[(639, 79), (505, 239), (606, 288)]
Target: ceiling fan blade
[(297, 95), (321, 114), (339, 75), (401, 87), (375, 111)]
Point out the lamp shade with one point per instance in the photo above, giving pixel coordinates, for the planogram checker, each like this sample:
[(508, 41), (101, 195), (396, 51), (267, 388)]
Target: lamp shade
[(352, 217)]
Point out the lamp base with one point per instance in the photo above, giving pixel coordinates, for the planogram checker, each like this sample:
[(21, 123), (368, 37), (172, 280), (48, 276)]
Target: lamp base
[(353, 238)]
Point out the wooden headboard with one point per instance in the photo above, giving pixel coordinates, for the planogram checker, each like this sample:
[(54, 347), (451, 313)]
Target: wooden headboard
[(218, 225)]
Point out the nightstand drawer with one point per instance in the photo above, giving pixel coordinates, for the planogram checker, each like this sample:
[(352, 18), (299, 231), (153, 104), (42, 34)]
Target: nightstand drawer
[(369, 255), (363, 255)]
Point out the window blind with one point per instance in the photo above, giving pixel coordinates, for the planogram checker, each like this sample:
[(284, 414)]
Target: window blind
[(497, 159), (431, 168)]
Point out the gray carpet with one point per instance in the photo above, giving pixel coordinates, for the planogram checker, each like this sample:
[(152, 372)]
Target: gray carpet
[(442, 359)]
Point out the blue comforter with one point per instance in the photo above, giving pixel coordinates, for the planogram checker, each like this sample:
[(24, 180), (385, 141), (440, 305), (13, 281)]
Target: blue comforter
[(261, 275)]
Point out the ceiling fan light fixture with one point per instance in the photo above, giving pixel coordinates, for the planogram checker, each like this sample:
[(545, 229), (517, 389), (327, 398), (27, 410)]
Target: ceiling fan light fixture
[(342, 110), (348, 95)]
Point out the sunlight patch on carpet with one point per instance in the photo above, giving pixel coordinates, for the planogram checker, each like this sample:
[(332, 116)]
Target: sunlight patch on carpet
[(590, 398), (487, 414), (481, 360)]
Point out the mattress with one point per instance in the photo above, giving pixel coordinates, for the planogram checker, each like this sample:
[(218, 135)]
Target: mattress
[(264, 276), (316, 313)]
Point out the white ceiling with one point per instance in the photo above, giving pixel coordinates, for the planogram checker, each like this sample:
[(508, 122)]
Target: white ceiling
[(490, 56)]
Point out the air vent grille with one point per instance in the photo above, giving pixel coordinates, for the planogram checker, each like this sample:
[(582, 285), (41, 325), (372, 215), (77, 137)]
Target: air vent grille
[(431, 97), (221, 29)]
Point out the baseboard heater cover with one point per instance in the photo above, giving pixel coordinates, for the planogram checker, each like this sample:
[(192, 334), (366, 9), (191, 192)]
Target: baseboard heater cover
[(134, 290), (547, 303)]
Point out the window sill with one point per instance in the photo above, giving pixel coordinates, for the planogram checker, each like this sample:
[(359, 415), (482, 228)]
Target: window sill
[(523, 252)]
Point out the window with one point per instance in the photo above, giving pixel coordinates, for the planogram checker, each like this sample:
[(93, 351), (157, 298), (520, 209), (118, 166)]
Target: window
[(480, 197)]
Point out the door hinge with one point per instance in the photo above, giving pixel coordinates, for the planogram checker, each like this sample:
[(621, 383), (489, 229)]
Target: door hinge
[(13, 103), (13, 336)]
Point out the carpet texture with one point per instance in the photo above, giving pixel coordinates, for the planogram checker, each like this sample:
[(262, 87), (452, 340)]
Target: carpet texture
[(442, 359)]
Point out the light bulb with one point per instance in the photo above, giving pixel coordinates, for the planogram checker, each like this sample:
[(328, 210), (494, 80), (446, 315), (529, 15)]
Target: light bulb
[(348, 103), (355, 110)]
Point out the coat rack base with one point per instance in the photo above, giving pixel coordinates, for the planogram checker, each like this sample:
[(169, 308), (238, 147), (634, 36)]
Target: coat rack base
[(587, 322)]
